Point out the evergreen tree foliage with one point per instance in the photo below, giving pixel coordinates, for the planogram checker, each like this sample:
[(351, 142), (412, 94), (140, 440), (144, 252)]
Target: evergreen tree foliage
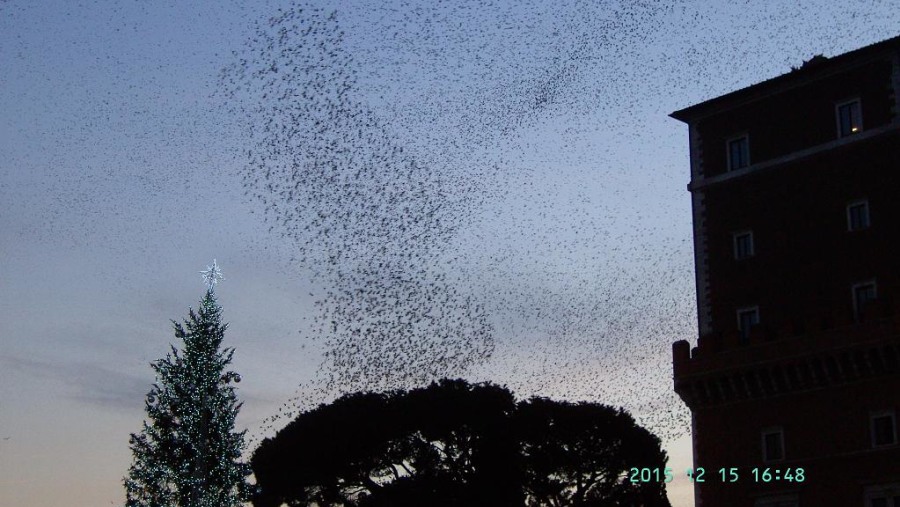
[(188, 454)]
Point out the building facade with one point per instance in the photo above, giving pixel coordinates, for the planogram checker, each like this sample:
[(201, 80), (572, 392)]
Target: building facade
[(794, 385)]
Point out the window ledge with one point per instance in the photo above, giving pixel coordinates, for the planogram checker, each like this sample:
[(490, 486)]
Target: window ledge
[(791, 157)]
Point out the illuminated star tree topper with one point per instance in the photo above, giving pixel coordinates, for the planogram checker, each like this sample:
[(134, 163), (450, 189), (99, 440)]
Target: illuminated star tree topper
[(212, 275)]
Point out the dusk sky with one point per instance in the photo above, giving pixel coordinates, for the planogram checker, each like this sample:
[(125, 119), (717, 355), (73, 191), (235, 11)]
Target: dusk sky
[(141, 140)]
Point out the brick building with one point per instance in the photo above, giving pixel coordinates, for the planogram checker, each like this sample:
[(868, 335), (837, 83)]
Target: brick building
[(795, 187)]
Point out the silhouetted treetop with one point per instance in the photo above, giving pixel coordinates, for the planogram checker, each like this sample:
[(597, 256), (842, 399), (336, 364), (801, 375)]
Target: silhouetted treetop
[(456, 444)]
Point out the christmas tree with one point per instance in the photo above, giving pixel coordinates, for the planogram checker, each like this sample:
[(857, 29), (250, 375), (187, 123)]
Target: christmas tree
[(188, 454)]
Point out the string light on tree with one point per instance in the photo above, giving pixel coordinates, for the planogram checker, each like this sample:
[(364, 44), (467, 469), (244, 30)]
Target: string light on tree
[(188, 454)]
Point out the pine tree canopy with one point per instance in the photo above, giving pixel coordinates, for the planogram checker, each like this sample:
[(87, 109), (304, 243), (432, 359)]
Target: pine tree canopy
[(456, 444)]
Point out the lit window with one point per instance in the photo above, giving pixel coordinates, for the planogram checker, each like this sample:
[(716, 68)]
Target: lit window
[(738, 153), (858, 215), (849, 118), (884, 429), (743, 244), (863, 294), (773, 444), (747, 318)]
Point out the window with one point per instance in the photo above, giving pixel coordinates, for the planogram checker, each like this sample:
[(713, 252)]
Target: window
[(773, 444), (858, 215), (743, 244), (747, 318), (777, 501), (738, 153), (863, 294), (849, 118), (883, 496), (884, 429)]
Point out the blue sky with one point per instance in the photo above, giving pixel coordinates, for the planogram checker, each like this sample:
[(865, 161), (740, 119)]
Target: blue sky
[(123, 173)]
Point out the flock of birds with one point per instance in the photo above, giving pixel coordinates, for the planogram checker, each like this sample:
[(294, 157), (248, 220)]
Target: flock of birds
[(402, 169), (363, 212)]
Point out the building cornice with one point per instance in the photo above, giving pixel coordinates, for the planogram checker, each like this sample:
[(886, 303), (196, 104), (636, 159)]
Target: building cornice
[(794, 79)]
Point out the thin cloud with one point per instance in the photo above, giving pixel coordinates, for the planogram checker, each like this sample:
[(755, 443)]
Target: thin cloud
[(87, 383)]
